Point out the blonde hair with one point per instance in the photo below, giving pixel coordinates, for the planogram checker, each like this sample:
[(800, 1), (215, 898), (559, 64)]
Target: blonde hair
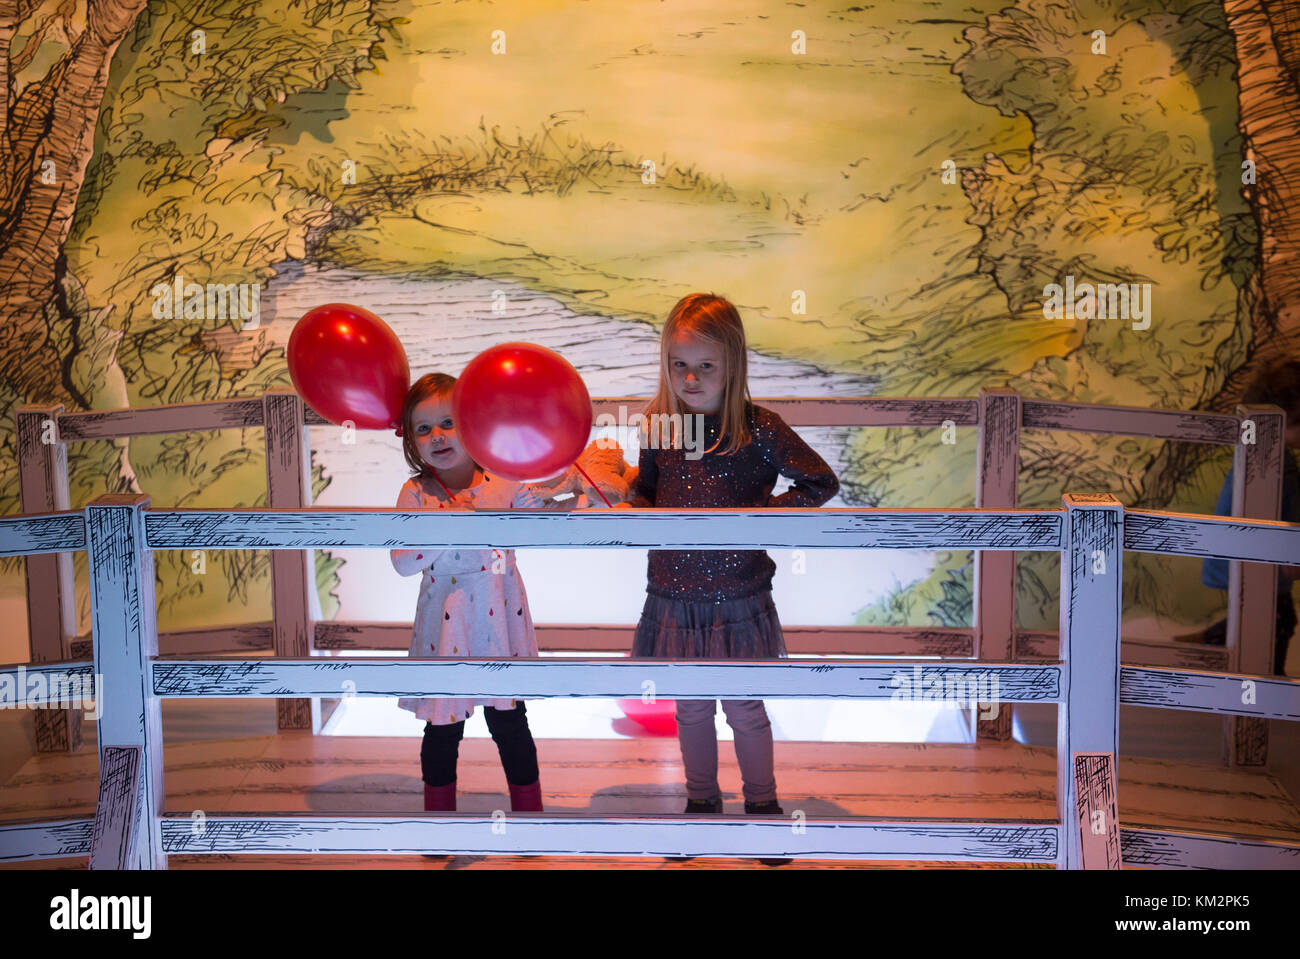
[(712, 319)]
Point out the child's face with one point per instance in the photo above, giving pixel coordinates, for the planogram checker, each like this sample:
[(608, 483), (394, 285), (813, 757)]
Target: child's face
[(697, 372), (435, 434)]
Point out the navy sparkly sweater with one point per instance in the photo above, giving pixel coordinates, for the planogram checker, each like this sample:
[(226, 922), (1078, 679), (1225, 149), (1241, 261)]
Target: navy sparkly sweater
[(667, 479)]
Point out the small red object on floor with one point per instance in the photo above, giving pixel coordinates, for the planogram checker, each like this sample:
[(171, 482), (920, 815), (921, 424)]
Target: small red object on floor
[(658, 717)]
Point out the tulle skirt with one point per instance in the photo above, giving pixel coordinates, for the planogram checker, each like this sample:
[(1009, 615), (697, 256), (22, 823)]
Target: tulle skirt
[(746, 628)]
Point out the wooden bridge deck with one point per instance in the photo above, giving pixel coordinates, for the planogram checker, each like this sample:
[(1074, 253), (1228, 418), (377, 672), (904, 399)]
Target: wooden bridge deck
[(292, 772)]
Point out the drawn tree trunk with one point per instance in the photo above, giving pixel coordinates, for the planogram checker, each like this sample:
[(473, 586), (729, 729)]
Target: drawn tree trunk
[(1267, 38), (46, 139), (1267, 33)]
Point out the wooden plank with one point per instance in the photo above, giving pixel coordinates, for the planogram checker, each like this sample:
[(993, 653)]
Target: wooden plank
[(1183, 534), (1252, 587), (997, 472), (1091, 604), (41, 685), (46, 839), (955, 643), (174, 418), (1097, 818), (303, 774), (558, 677), (50, 587), (1233, 694), (642, 776), (336, 635), (200, 641), (874, 411), (868, 411), (58, 692), (1150, 848), (119, 814), (1181, 425), (549, 835), (124, 614), (207, 640), (879, 411), (642, 528), (1045, 645), (50, 533), (460, 864), (288, 469), (939, 781)]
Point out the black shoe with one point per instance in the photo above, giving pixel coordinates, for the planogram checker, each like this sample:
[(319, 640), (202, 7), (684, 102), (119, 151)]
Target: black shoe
[(768, 807), (697, 807)]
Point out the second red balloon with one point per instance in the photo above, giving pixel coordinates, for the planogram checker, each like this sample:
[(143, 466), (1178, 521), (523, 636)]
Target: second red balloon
[(522, 411)]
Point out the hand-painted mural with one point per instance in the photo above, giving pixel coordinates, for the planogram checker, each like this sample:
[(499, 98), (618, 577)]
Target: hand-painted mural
[(903, 199)]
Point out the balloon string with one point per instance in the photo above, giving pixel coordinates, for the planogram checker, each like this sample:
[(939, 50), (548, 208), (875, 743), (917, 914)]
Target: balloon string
[(593, 485), (450, 497)]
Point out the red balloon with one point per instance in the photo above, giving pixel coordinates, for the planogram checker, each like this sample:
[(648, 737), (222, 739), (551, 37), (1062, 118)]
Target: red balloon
[(521, 411), (659, 717), (347, 364)]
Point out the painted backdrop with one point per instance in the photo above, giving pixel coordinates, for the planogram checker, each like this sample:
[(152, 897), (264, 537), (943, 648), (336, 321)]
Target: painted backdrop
[(887, 191)]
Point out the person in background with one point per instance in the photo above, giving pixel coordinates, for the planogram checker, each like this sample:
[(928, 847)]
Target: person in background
[(1278, 384)]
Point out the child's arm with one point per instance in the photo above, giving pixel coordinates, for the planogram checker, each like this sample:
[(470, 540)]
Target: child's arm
[(408, 562), (813, 482)]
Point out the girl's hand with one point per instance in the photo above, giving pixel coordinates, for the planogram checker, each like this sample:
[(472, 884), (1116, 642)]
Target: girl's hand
[(530, 498), (570, 481), (621, 506)]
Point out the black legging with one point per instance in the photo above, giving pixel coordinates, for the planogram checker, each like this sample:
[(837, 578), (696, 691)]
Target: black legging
[(509, 729)]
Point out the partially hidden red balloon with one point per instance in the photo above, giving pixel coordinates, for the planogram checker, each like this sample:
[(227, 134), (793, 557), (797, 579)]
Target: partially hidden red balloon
[(658, 717), (521, 411), (347, 364)]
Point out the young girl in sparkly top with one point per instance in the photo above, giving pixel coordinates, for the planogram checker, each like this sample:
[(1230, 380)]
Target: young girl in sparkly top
[(714, 604)]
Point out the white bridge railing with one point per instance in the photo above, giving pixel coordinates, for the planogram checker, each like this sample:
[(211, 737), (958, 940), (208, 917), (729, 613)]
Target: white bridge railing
[(132, 830), (998, 418)]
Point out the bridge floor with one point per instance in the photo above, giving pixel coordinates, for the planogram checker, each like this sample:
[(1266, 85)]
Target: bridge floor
[(230, 772)]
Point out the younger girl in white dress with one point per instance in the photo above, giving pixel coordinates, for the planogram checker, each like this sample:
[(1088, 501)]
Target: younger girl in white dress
[(472, 602)]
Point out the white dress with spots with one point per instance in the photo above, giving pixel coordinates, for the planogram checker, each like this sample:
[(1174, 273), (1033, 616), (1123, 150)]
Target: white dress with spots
[(472, 602)]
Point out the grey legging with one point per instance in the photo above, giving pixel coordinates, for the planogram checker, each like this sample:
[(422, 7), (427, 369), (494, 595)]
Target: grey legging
[(699, 741)]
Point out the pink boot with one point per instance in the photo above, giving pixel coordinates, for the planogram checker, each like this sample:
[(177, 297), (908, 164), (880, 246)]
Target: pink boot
[(526, 798), (440, 798)]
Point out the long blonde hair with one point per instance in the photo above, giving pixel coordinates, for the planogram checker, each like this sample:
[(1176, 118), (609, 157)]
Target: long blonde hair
[(712, 319)]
